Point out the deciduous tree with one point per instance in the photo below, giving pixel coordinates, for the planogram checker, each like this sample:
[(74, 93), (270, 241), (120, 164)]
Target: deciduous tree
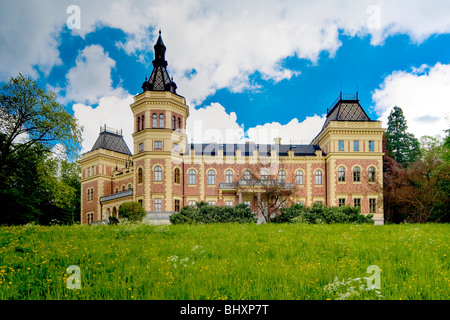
[(34, 185)]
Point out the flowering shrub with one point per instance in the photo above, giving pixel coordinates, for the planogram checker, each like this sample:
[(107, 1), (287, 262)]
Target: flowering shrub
[(351, 289)]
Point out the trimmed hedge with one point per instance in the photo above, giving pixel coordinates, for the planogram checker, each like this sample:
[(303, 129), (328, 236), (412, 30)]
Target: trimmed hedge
[(205, 213), (320, 214)]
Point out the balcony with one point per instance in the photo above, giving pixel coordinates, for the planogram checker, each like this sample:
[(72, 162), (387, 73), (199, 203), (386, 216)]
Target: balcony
[(242, 183), (265, 182), (118, 195), (227, 186)]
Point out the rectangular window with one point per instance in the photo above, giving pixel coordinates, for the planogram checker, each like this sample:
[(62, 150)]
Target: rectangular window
[(248, 203), (140, 202), (341, 145), (371, 145), (372, 205), (141, 147), (318, 177), (341, 202), (177, 205), (158, 145), (356, 145), (158, 205), (318, 203), (192, 203), (357, 202), (211, 178), (90, 218), (300, 203), (176, 147), (212, 203), (229, 203)]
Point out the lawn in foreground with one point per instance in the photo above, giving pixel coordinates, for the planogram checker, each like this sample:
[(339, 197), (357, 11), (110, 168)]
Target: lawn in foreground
[(225, 261)]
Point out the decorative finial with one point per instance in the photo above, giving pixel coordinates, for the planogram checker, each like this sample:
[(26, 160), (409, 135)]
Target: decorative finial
[(159, 31)]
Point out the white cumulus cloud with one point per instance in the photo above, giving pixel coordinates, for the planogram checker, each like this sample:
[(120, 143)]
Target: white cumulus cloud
[(114, 112), (422, 93), (224, 42), (214, 124), (90, 79)]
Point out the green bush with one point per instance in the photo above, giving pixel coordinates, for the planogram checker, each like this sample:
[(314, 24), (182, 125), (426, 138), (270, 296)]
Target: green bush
[(113, 220), (321, 214), (132, 210), (205, 213)]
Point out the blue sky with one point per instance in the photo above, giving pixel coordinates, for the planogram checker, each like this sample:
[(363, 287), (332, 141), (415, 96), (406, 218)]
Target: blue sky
[(249, 69)]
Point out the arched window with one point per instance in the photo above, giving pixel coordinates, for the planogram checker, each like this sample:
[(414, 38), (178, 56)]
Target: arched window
[(247, 175), (139, 124), (129, 186), (356, 174), (161, 120), (211, 177), (177, 175), (318, 177), (341, 173), (371, 174), (143, 123), (88, 194), (123, 188), (158, 173), (140, 173), (299, 177), (179, 124), (282, 176), (229, 176), (117, 190), (88, 172), (174, 122), (192, 176), (154, 121)]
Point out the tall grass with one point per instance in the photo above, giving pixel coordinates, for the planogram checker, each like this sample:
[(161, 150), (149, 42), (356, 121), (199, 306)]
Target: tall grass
[(225, 261)]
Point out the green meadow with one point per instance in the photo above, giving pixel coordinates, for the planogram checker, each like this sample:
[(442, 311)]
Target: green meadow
[(225, 261)]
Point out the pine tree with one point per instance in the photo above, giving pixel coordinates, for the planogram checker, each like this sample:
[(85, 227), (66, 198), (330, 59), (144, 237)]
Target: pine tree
[(401, 145)]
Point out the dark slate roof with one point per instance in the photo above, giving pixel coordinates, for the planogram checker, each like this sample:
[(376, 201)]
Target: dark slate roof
[(111, 141), (346, 108), (248, 148)]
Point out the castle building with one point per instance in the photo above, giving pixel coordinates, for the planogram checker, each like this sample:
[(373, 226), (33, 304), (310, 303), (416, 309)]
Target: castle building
[(343, 164)]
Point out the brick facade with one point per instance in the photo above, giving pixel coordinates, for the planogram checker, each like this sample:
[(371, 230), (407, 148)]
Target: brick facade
[(157, 173)]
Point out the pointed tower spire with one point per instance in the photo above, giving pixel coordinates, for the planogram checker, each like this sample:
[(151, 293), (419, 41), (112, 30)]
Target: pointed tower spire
[(159, 79), (160, 52)]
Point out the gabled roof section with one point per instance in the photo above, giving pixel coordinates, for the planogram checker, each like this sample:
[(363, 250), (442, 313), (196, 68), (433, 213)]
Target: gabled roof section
[(112, 140)]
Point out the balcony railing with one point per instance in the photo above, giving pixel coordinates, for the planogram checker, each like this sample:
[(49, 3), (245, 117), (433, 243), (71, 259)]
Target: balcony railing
[(227, 185), (345, 96), (265, 182), (118, 195)]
